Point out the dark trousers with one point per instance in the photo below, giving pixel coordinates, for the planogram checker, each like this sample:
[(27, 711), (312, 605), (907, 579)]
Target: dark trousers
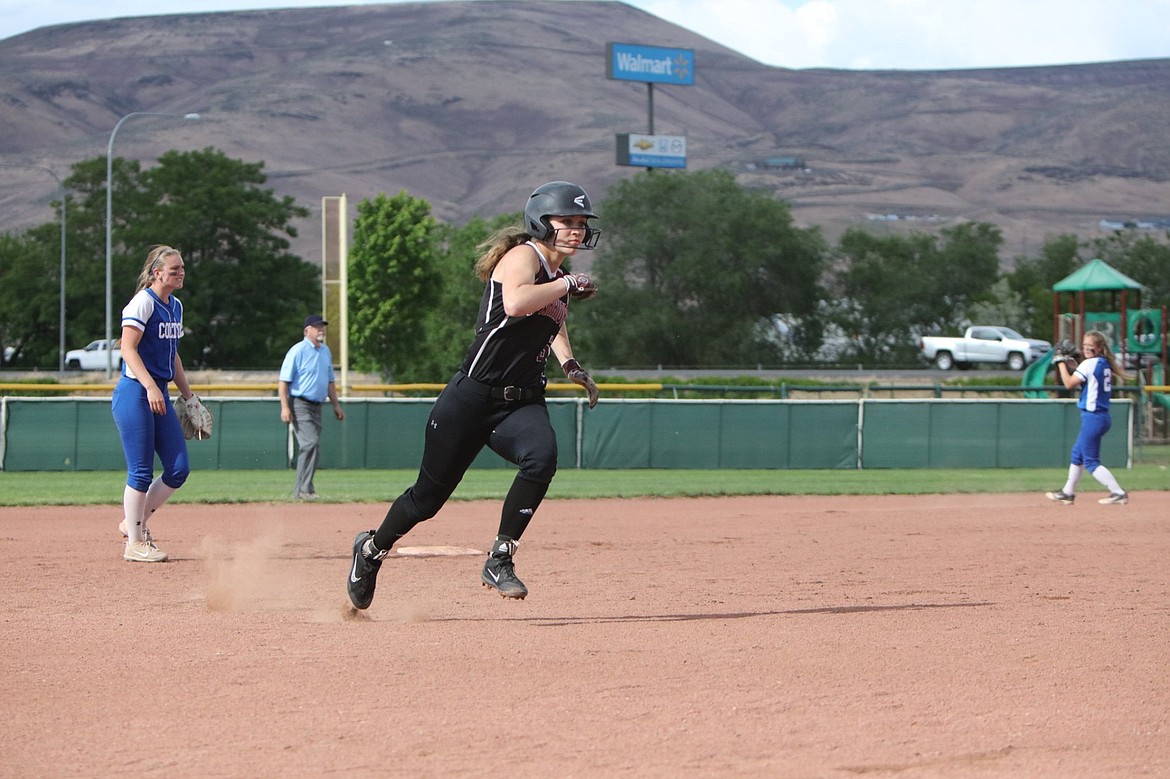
[(465, 419)]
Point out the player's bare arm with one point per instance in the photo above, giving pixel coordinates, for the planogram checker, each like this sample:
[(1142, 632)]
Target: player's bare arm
[(516, 273)]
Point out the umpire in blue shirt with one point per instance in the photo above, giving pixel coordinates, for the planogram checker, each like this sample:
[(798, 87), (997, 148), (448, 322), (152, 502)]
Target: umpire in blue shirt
[(306, 381)]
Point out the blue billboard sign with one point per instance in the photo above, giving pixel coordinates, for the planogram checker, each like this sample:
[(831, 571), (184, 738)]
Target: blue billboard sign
[(651, 64)]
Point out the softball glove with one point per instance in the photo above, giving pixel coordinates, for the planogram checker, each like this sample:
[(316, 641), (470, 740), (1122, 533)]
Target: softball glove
[(194, 417)]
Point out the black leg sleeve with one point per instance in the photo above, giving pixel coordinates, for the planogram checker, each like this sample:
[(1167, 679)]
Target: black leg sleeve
[(520, 504)]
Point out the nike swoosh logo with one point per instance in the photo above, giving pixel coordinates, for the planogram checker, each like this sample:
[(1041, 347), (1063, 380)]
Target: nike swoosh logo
[(353, 577)]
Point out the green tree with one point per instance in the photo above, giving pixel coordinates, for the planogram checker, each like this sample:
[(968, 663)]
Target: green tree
[(968, 266), (30, 284), (393, 282), (86, 276), (248, 295), (244, 293), (1143, 258), (1002, 306), (881, 289), (891, 289), (30, 296), (450, 325), (693, 269), (1034, 277)]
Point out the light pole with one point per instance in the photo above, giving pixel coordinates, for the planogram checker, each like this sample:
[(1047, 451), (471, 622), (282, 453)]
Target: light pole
[(61, 323), (110, 230)]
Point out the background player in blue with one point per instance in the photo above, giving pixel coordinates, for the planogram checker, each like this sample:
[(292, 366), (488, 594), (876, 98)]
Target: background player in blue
[(496, 399), (152, 324), (306, 381), (1095, 376)]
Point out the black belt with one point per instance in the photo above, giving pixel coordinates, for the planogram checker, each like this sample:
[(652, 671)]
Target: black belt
[(306, 400), (510, 393), (513, 393)]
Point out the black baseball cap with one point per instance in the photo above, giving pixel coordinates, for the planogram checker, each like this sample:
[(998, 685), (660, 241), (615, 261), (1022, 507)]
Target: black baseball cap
[(314, 319)]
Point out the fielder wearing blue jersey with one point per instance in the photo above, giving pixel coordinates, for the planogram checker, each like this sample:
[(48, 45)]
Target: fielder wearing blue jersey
[(1094, 376), (496, 398), (152, 324), (305, 382)]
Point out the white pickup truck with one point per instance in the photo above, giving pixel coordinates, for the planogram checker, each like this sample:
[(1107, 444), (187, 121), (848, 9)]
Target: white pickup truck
[(983, 343), (94, 357)]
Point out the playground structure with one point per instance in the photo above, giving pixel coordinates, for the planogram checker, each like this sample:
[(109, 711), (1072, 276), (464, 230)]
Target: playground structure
[(1136, 335)]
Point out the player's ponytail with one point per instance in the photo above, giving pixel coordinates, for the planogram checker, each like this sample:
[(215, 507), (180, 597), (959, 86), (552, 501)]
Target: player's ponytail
[(154, 260), (495, 247)]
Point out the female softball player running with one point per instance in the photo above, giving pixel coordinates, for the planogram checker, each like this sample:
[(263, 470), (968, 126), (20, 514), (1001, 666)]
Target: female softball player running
[(1095, 376), (496, 399), (152, 324)]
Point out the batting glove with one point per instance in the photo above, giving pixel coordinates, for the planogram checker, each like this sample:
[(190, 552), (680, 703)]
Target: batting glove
[(579, 286), (577, 375)]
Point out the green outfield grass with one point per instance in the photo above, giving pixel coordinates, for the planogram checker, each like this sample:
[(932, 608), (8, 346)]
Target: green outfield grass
[(372, 486)]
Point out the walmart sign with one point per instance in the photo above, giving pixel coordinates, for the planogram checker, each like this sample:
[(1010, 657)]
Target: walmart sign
[(628, 62)]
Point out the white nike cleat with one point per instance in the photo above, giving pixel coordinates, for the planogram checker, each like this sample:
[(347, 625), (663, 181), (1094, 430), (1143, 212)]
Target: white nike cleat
[(143, 552)]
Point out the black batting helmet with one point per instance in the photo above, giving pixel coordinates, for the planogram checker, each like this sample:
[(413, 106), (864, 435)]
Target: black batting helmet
[(558, 198)]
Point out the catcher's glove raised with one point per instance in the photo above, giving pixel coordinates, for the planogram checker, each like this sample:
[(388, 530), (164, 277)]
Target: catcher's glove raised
[(1064, 348), (194, 417)]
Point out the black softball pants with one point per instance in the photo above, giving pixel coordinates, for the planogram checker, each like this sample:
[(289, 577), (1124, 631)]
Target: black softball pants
[(462, 422)]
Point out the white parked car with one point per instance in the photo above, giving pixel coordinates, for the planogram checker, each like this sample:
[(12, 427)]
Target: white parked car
[(94, 357), (983, 343)]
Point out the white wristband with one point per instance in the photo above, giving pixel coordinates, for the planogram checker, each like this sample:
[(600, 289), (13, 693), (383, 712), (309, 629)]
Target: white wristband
[(568, 284)]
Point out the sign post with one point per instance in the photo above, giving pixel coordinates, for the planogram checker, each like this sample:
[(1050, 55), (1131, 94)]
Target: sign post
[(650, 65)]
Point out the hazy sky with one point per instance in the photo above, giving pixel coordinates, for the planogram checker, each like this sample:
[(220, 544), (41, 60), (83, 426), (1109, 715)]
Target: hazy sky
[(853, 34)]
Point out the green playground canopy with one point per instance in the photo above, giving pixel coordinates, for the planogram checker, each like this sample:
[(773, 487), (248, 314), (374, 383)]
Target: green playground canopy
[(1095, 275)]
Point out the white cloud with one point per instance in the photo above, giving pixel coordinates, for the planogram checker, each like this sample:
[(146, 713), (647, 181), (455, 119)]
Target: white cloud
[(818, 22), (926, 34)]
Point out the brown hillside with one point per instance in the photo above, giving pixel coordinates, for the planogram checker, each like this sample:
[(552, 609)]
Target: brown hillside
[(470, 105)]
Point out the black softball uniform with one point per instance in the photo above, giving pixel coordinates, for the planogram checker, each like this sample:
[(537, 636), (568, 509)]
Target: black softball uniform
[(496, 399)]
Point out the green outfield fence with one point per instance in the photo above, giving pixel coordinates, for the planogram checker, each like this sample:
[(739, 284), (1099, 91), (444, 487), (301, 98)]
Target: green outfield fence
[(78, 434)]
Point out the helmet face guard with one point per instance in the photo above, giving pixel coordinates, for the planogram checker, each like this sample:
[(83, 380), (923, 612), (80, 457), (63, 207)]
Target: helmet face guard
[(558, 198), (592, 235)]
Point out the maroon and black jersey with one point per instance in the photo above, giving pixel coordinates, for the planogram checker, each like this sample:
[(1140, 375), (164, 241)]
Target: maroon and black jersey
[(512, 350)]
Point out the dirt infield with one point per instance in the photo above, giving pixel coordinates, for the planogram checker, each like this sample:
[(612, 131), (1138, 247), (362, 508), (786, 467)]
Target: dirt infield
[(937, 636)]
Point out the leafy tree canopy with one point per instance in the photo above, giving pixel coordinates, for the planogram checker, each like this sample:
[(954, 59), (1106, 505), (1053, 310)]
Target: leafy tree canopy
[(694, 270), (889, 289), (393, 282), (690, 265), (245, 295)]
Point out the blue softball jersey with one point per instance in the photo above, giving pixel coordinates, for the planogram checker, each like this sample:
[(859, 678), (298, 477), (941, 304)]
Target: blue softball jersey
[(1097, 386), (162, 327)]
